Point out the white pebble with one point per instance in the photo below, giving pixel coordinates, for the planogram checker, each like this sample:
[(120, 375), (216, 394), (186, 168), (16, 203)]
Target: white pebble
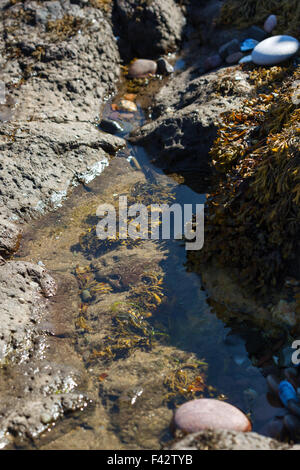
[(274, 50)]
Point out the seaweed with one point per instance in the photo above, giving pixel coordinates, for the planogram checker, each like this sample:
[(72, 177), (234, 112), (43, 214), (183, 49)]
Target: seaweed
[(253, 216), (244, 13)]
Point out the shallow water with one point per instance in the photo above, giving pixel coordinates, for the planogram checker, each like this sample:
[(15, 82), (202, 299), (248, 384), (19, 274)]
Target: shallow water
[(144, 353)]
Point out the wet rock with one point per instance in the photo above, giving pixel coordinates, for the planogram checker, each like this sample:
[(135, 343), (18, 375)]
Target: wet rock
[(150, 31), (142, 68), (256, 33), (188, 110), (110, 126), (213, 62), (229, 48), (228, 440), (86, 295), (275, 50), (270, 23), (164, 67), (31, 284), (234, 58), (205, 413)]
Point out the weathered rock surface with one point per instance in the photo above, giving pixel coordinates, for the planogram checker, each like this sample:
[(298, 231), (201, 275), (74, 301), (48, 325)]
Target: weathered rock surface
[(188, 110), (58, 77), (36, 386), (55, 79), (150, 29), (229, 440)]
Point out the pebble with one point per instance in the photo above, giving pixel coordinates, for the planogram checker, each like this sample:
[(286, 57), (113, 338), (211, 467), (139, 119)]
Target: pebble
[(275, 50), (234, 58), (141, 68), (86, 295), (126, 105), (246, 59), (213, 62), (110, 126), (270, 23), (229, 48), (249, 45), (208, 413), (163, 67), (46, 418), (256, 33)]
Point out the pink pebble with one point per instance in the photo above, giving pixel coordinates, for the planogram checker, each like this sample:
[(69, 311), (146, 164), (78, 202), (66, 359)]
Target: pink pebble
[(207, 413), (270, 23)]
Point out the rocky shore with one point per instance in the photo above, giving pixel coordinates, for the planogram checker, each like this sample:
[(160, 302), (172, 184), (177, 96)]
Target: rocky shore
[(59, 63)]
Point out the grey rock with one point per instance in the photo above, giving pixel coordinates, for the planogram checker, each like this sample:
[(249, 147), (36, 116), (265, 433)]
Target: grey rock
[(234, 58), (270, 23), (164, 67), (149, 31), (213, 62), (228, 440), (229, 48), (187, 111), (256, 33)]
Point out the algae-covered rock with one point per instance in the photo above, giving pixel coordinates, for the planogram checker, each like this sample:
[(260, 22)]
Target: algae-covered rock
[(252, 223)]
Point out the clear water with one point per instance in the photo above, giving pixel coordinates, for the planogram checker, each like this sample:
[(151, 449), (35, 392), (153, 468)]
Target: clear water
[(193, 353)]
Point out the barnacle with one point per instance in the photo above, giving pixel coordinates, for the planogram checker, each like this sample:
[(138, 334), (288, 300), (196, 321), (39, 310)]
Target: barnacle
[(253, 216)]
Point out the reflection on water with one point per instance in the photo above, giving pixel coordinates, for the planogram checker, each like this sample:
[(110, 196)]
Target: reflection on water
[(146, 331)]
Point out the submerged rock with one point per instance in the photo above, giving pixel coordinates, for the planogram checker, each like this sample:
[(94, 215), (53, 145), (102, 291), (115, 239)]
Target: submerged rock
[(126, 105), (141, 68), (206, 413), (270, 23), (110, 126), (275, 50)]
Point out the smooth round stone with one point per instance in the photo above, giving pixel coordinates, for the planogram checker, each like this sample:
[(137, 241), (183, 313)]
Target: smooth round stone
[(141, 68), (274, 50), (208, 413), (164, 67), (110, 126), (234, 58), (213, 62), (270, 23)]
